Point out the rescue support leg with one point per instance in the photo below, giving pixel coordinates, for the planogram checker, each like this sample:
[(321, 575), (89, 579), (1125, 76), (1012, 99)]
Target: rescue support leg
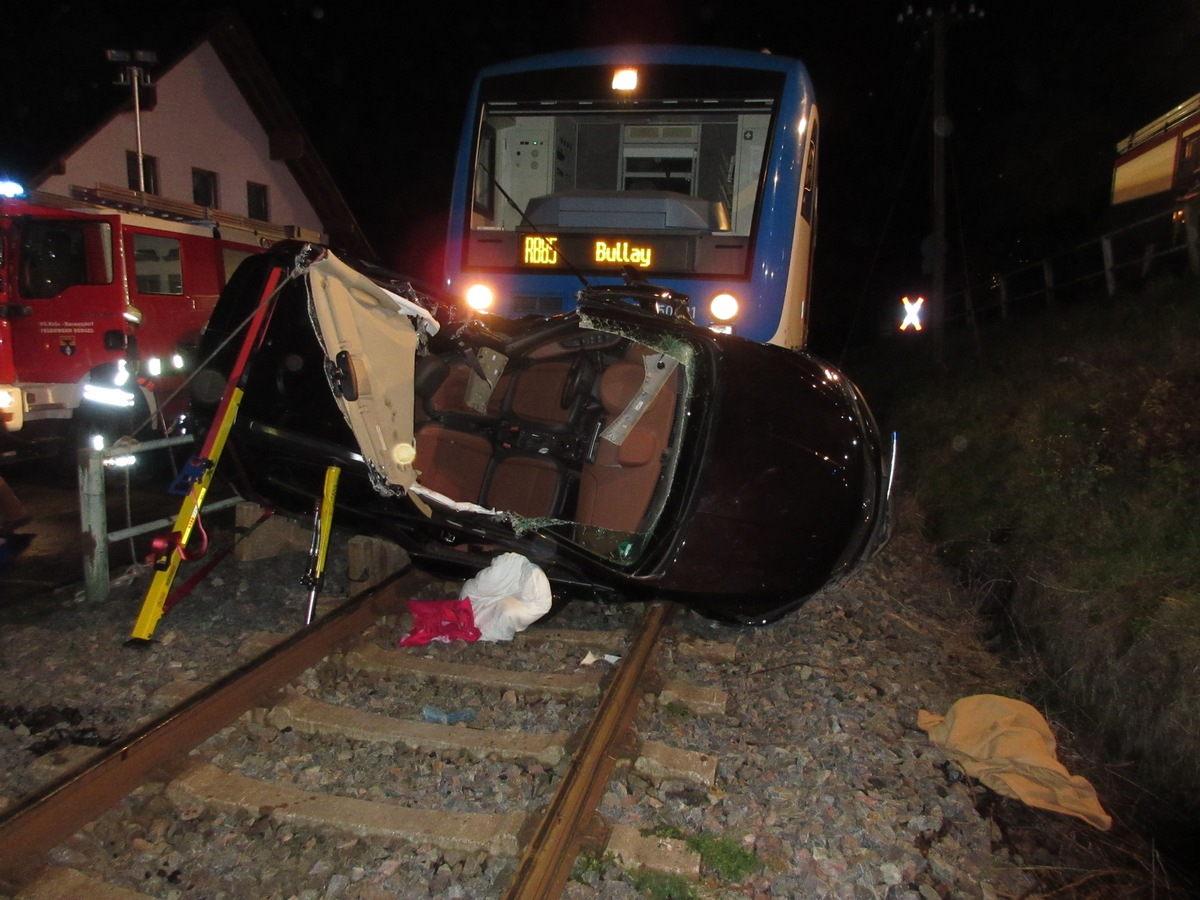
[(189, 514), (202, 467), (322, 526)]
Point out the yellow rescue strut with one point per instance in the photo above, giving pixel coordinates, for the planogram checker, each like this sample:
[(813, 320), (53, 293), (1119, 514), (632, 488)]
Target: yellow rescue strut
[(322, 525), (189, 514), (202, 467)]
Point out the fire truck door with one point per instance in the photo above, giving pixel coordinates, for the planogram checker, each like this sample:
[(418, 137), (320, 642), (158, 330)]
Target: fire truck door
[(68, 280), (174, 280)]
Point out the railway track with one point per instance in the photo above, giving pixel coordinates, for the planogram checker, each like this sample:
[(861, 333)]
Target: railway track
[(441, 767)]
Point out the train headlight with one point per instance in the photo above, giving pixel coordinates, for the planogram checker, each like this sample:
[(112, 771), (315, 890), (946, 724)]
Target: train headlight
[(723, 307), (625, 80), (480, 297)]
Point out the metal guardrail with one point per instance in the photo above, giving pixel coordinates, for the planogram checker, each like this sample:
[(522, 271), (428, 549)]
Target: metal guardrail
[(93, 510)]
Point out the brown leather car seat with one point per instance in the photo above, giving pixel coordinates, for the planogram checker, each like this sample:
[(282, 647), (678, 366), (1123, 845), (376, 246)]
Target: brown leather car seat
[(527, 482), (616, 489), (537, 394), (452, 462), (442, 384), (526, 485)]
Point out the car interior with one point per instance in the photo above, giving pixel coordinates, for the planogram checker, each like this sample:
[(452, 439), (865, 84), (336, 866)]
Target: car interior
[(580, 427)]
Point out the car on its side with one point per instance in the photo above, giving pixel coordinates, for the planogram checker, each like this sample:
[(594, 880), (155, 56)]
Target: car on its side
[(623, 449)]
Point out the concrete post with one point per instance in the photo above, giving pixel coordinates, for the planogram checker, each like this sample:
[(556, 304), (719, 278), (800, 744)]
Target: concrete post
[(93, 513), (1110, 274), (1190, 214)]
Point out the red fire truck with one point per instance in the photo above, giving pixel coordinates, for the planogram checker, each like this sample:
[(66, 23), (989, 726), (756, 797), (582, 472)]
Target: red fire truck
[(103, 296)]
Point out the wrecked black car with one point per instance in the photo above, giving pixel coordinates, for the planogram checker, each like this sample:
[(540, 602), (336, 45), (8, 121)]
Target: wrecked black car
[(626, 451)]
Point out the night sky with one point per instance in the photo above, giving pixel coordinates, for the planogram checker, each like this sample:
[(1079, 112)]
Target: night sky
[(1038, 92)]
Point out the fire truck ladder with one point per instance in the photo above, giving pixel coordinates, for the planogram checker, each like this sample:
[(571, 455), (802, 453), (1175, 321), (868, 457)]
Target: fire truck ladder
[(172, 549)]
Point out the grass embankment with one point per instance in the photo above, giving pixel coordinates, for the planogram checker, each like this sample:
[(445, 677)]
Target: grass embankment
[(1057, 465)]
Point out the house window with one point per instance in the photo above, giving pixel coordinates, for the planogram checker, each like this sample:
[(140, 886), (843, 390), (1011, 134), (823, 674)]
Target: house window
[(149, 172), (256, 202), (204, 188)]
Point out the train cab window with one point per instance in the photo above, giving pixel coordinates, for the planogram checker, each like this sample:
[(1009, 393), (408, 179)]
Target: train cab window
[(56, 255), (660, 169), (660, 157), (156, 264)]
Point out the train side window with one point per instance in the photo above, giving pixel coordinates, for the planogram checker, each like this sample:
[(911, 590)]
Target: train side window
[(157, 265), (808, 203)]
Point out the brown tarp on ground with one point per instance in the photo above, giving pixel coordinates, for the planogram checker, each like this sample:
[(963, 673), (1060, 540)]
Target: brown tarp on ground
[(1008, 746)]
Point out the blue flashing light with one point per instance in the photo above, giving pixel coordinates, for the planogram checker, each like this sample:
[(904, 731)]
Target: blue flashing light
[(10, 189)]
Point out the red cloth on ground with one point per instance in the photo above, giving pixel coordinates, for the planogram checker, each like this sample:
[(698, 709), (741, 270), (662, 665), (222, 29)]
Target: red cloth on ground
[(440, 620)]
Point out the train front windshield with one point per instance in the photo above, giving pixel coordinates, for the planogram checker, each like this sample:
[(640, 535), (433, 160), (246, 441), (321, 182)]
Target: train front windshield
[(574, 175)]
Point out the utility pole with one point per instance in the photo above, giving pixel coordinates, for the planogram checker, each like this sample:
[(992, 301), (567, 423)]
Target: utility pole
[(136, 77), (942, 127), (934, 19)]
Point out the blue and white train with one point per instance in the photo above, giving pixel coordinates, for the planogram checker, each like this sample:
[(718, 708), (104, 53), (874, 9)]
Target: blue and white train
[(694, 168)]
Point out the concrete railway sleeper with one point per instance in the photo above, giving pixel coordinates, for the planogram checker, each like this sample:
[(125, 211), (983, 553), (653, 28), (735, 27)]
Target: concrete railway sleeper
[(250, 762)]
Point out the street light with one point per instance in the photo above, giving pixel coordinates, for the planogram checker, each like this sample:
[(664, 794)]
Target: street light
[(938, 13), (135, 76)]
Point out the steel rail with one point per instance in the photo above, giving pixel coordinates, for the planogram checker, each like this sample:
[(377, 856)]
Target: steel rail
[(547, 859), (32, 828)]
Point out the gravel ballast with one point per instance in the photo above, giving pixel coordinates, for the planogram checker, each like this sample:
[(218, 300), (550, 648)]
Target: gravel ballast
[(822, 772)]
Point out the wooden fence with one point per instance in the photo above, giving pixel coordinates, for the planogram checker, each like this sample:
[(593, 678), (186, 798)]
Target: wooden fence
[(1120, 259)]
